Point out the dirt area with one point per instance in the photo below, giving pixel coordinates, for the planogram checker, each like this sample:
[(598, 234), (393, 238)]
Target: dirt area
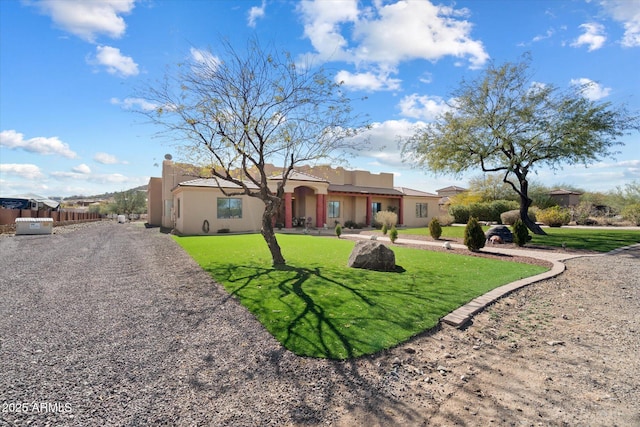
[(108, 324), (561, 352)]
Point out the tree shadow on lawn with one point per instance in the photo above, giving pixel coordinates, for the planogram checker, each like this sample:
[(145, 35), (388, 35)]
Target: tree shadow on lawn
[(318, 314)]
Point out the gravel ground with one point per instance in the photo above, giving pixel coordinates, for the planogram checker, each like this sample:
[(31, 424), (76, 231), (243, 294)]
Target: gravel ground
[(108, 324)]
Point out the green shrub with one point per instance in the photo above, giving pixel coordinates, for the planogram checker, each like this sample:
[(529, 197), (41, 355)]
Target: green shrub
[(632, 213), (393, 234), (510, 217), (387, 218), (435, 230), (338, 230), (445, 220), (520, 233), (459, 213), (554, 216), (384, 229), (350, 224), (474, 237)]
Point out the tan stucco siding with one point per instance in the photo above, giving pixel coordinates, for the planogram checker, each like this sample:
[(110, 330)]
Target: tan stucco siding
[(409, 207), (154, 201), (198, 205)]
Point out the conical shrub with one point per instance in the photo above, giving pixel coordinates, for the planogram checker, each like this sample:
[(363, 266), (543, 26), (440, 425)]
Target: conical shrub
[(474, 237)]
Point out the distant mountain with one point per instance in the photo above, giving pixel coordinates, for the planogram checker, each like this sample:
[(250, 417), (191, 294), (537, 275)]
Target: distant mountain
[(100, 196)]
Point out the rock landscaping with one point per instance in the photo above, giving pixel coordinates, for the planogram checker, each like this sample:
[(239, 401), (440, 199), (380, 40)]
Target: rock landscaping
[(108, 324)]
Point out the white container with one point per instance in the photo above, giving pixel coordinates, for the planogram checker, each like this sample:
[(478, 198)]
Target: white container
[(34, 226), (122, 219)]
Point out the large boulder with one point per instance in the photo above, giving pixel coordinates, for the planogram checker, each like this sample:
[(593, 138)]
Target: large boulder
[(502, 231), (372, 255)]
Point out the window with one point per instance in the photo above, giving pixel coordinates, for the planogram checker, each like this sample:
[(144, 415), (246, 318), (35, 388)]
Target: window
[(376, 207), (334, 209), (421, 210), (178, 208), (229, 208)]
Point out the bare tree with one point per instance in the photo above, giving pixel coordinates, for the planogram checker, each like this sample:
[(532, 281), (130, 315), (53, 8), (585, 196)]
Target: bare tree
[(240, 111), (505, 123)]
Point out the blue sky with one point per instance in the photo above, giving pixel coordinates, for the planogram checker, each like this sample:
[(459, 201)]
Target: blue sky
[(69, 70)]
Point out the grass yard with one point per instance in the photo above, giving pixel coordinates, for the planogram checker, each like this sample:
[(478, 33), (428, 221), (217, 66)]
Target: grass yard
[(594, 239), (317, 306)]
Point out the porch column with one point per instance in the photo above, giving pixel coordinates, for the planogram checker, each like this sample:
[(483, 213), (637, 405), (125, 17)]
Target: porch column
[(287, 211), (320, 210), (401, 211), (369, 210)]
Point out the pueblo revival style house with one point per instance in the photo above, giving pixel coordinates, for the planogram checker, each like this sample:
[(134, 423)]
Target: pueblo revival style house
[(318, 196)]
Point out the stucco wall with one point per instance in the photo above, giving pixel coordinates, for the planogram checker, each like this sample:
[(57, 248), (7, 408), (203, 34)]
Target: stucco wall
[(154, 201), (409, 206), (198, 204)]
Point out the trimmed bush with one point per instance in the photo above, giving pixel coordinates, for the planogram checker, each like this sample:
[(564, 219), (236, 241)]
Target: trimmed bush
[(474, 237), (554, 216), (510, 217), (387, 218), (393, 234), (459, 213), (435, 230), (384, 229), (632, 213), (350, 224), (338, 230), (445, 220), (520, 233)]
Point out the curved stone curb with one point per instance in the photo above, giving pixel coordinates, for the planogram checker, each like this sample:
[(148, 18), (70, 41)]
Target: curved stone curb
[(462, 315)]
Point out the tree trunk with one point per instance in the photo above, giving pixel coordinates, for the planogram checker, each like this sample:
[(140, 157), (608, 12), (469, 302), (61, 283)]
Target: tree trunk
[(270, 236), (525, 203)]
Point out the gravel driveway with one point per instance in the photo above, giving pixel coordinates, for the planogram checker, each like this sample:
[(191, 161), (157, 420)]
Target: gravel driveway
[(111, 324)]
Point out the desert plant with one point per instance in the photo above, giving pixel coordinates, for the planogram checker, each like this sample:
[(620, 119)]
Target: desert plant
[(520, 233), (632, 213), (435, 230), (510, 217), (459, 213), (474, 237), (393, 234), (445, 220), (554, 216), (338, 230), (387, 218)]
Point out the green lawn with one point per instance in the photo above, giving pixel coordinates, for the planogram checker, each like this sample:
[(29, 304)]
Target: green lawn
[(317, 306), (595, 239)]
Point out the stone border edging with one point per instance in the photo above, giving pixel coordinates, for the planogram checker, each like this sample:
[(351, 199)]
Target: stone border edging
[(462, 315)]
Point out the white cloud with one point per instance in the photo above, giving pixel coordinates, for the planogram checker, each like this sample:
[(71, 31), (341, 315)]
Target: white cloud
[(24, 170), (82, 168), (367, 81), (40, 145), (106, 159), (593, 36), (255, 13), (627, 12), (381, 142), (384, 35), (134, 103), (422, 106), (115, 62), (87, 19), (204, 58), (590, 89)]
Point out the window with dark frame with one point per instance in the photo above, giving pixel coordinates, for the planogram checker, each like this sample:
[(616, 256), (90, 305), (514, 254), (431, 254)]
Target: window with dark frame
[(421, 210), (334, 209), (229, 208)]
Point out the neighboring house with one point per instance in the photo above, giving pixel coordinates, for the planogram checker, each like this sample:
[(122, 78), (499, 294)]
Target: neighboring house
[(565, 198), (319, 196), (445, 195)]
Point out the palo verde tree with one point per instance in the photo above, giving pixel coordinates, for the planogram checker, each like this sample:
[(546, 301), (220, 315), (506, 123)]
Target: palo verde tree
[(503, 122), (241, 111)]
